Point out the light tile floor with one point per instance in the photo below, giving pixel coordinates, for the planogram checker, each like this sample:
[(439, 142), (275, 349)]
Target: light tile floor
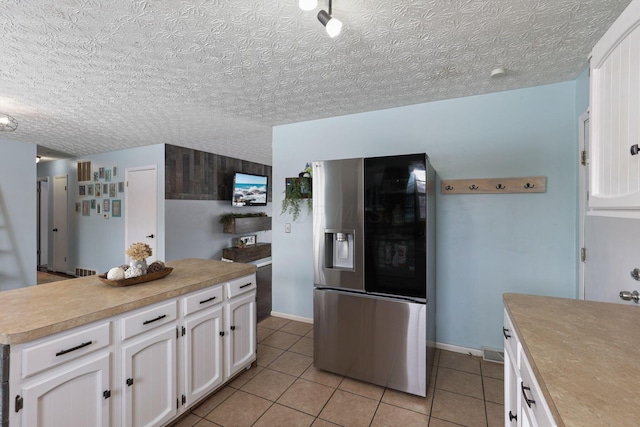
[(286, 390)]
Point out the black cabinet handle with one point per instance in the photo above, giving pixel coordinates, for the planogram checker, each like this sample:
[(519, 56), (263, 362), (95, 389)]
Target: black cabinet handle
[(55, 229), (150, 236), (233, 328), (244, 286), (504, 332), (634, 149), (146, 322), (129, 382), (207, 300), (524, 394), (69, 350), (221, 333), (512, 417)]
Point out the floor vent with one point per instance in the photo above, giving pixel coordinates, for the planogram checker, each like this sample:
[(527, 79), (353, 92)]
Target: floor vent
[(82, 272), (492, 355)]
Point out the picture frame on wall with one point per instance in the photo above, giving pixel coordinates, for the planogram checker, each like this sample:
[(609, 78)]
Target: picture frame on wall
[(85, 208), (98, 190), (90, 190), (121, 187), (101, 173), (98, 208), (107, 175), (82, 190), (95, 176), (112, 190), (105, 189), (115, 171), (116, 208), (77, 207), (105, 205), (93, 203)]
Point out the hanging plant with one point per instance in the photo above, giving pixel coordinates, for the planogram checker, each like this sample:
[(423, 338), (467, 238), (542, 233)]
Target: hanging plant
[(295, 193)]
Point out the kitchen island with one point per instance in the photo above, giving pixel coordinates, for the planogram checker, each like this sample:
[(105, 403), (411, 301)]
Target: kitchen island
[(583, 355), (170, 341)]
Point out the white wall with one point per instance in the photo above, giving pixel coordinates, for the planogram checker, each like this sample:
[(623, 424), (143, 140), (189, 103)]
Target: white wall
[(486, 244), (18, 216), (94, 242), (193, 229)]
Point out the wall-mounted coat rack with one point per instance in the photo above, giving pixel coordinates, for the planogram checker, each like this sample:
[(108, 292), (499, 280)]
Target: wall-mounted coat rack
[(529, 184)]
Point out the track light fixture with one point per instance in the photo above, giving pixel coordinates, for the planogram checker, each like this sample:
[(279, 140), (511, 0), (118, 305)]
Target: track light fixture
[(7, 123), (332, 25)]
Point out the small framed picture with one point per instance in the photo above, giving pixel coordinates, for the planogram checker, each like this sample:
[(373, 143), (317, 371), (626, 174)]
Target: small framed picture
[(95, 176), (101, 173), (98, 190), (121, 187), (116, 208), (85, 208), (115, 171), (82, 190), (90, 190), (98, 208), (105, 189), (107, 175), (247, 240), (77, 207), (93, 203), (105, 205), (112, 189)]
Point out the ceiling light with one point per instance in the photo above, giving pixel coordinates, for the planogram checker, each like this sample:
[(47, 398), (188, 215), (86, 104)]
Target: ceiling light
[(308, 4), (498, 72), (7, 122), (332, 25)]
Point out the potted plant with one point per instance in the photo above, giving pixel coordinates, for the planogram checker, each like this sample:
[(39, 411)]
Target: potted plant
[(297, 190)]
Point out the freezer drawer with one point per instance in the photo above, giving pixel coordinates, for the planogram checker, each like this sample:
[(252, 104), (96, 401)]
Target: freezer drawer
[(377, 340)]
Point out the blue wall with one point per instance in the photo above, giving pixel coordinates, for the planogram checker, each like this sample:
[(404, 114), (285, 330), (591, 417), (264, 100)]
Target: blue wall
[(94, 242), (486, 244), (18, 218)]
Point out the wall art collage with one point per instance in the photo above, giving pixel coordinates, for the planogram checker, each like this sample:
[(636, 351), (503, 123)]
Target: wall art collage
[(100, 192)]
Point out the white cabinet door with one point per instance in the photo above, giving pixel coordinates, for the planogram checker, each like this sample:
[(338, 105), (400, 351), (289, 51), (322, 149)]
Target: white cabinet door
[(240, 323), (74, 396), (511, 382), (149, 383), (614, 108), (202, 348)]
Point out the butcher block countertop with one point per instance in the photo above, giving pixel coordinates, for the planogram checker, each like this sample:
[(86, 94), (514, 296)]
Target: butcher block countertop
[(37, 311), (584, 354)]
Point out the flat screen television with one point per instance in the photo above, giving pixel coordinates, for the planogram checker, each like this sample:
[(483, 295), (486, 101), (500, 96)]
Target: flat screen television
[(249, 190)]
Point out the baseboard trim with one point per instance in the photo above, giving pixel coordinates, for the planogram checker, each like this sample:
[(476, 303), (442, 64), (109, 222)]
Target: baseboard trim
[(458, 349), (292, 317)]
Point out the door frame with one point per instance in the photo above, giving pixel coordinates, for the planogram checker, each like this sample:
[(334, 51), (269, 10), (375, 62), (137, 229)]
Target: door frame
[(56, 221), (583, 194), (43, 222)]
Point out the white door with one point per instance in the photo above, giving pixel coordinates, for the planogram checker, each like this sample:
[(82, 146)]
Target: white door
[(240, 323), (43, 222), (73, 397), (59, 224), (149, 383), (141, 208), (202, 353)]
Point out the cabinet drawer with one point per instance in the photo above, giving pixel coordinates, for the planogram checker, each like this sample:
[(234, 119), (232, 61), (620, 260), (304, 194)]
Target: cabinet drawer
[(240, 286), (531, 395), (510, 337), (202, 299), (64, 347), (148, 319)]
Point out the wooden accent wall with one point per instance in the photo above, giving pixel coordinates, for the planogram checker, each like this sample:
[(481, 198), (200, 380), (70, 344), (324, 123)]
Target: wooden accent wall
[(198, 175)]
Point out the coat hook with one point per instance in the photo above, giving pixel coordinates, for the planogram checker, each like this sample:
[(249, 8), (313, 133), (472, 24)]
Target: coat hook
[(529, 186), (448, 188), (473, 187), (500, 187)]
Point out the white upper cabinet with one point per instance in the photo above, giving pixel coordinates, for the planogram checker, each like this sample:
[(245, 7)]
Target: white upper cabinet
[(615, 115)]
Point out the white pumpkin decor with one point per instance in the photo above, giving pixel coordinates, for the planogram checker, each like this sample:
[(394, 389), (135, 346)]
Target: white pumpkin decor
[(116, 273)]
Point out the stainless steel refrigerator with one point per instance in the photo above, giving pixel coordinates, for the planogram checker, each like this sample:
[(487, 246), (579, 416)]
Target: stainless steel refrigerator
[(374, 269)]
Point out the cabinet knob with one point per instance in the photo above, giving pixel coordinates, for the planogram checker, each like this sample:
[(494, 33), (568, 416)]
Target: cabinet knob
[(512, 417), (129, 382), (634, 149), (504, 332), (628, 296)]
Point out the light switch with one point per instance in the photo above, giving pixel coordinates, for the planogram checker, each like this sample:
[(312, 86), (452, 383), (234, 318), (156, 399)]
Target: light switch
[(287, 228)]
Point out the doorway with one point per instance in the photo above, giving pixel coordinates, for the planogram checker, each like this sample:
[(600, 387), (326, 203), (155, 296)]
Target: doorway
[(59, 224), (141, 208), (43, 223)]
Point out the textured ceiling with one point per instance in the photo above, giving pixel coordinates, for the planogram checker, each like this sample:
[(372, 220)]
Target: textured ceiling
[(91, 76)]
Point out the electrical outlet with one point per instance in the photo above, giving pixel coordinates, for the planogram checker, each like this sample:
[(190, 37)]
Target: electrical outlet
[(287, 228)]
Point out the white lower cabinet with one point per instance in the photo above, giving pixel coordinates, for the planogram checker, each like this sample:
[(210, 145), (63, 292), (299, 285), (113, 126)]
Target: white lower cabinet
[(75, 395), (149, 385), (524, 404), (140, 368)]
